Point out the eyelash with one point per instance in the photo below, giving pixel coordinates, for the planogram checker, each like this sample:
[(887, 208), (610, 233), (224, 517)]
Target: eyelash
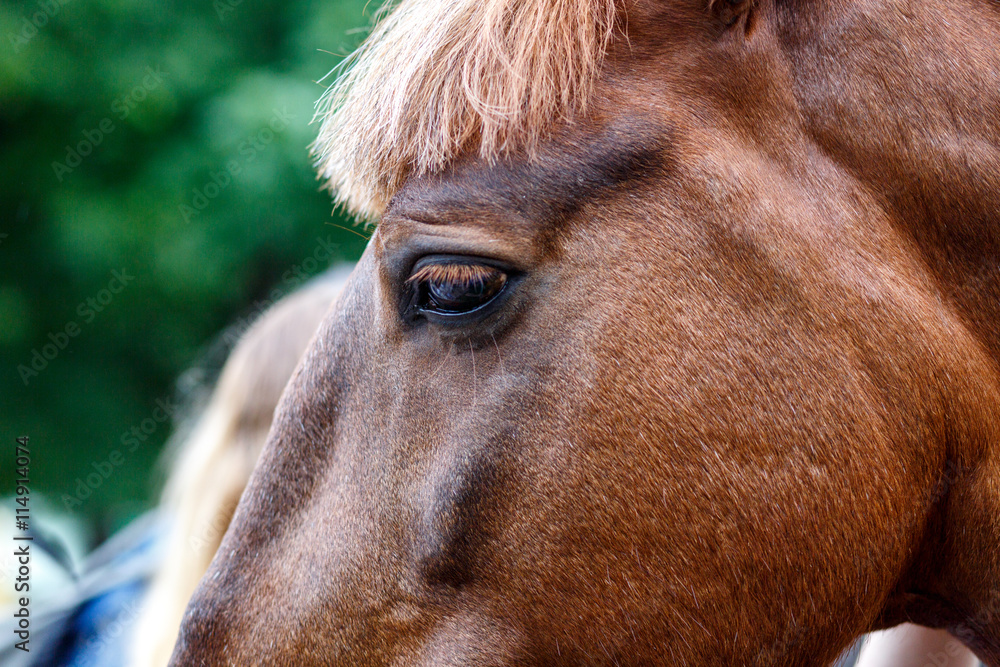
[(467, 274), (452, 290)]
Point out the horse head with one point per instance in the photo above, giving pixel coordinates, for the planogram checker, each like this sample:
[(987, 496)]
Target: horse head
[(677, 342)]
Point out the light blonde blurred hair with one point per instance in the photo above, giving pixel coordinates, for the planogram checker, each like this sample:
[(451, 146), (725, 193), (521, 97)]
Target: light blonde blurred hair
[(217, 456), (439, 77)]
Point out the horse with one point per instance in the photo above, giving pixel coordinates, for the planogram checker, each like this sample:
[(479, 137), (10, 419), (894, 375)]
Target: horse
[(215, 455), (677, 342)]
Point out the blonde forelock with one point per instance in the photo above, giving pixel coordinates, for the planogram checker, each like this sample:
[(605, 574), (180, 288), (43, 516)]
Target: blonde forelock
[(437, 78)]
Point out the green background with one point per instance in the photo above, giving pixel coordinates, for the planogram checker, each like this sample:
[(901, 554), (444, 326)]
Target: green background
[(171, 96)]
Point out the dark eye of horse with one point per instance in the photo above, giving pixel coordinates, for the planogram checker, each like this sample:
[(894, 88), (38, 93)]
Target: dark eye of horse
[(455, 287)]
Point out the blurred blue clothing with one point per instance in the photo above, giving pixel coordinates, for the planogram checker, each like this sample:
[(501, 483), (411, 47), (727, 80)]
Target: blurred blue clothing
[(92, 624)]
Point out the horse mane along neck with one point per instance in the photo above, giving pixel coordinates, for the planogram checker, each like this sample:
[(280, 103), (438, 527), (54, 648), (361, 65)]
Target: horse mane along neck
[(439, 77)]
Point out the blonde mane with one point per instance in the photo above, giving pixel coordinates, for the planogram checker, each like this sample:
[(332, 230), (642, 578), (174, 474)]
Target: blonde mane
[(440, 77), (217, 456)]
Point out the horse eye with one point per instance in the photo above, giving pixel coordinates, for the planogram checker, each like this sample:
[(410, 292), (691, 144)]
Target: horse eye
[(452, 288)]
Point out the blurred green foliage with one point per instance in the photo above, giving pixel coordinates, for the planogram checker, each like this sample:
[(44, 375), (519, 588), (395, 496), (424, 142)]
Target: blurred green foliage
[(166, 140)]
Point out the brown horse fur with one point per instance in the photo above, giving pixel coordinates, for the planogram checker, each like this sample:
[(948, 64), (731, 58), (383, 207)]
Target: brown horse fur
[(738, 402), (215, 459)]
